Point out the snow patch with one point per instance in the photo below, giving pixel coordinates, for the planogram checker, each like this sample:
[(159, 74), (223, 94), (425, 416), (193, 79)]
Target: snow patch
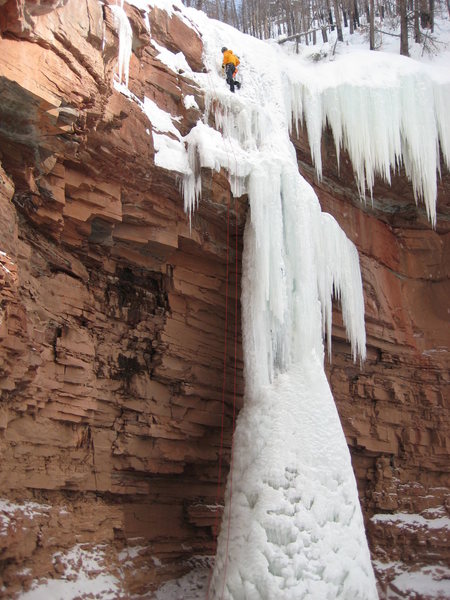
[(170, 154), (175, 62), (423, 583), (10, 511), (431, 581), (161, 120), (190, 102), (412, 521), (83, 574), (192, 586)]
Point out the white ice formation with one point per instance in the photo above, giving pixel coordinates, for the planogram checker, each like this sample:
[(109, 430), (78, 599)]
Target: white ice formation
[(292, 527)]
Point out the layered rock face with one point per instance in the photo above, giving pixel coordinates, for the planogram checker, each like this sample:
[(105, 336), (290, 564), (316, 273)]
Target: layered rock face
[(117, 317), (112, 308)]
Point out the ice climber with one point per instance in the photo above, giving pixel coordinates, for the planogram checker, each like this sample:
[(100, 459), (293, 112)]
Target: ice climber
[(229, 65)]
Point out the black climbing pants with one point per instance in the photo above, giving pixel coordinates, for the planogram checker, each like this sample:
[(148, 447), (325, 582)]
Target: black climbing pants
[(229, 70)]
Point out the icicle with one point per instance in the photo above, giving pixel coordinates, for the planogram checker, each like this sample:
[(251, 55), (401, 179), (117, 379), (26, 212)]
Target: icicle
[(125, 41), (339, 275), (441, 95), (399, 121), (278, 196)]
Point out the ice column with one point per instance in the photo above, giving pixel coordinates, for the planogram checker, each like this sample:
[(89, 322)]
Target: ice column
[(292, 527)]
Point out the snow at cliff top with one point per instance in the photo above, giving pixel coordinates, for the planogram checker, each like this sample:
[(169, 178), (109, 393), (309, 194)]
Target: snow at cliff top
[(292, 526)]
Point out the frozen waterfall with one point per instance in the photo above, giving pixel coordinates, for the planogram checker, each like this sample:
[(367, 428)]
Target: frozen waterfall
[(292, 526)]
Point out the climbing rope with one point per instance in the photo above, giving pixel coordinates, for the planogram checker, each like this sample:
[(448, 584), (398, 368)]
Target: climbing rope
[(224, 381), (234, 401)]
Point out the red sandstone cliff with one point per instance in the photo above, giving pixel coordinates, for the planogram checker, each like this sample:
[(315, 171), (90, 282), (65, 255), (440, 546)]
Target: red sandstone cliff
[(112, 316)]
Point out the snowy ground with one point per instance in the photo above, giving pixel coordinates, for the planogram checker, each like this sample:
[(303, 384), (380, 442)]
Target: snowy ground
[(434, 50), (192, 586), (430, 582), (83, 571)]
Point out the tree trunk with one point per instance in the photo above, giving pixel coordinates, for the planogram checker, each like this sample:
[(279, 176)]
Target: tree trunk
[(372, 24), (225, 11), (344, 12), (235, 17), (432, 14), (356, 13), (417, 35), (337, 16), (351, 16), (331, 19), (403, 28)]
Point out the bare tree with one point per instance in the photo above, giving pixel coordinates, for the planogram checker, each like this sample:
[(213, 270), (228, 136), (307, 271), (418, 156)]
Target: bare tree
[(300, 20), (403, 28), (416, 9), (372, 24), (337, 16)]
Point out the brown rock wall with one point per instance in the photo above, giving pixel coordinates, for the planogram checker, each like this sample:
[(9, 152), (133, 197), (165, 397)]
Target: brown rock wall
[(112, 309)]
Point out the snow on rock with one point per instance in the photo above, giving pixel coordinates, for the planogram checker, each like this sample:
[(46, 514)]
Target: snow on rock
[(160, 119), (176, 62), (83, 575), (430, 582), (170, 154), (412, 521), (9, 511), (192, 586), (190, 102), (423, 583)]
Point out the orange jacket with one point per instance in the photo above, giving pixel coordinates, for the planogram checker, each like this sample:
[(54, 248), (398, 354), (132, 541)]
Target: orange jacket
[(229, 57)]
